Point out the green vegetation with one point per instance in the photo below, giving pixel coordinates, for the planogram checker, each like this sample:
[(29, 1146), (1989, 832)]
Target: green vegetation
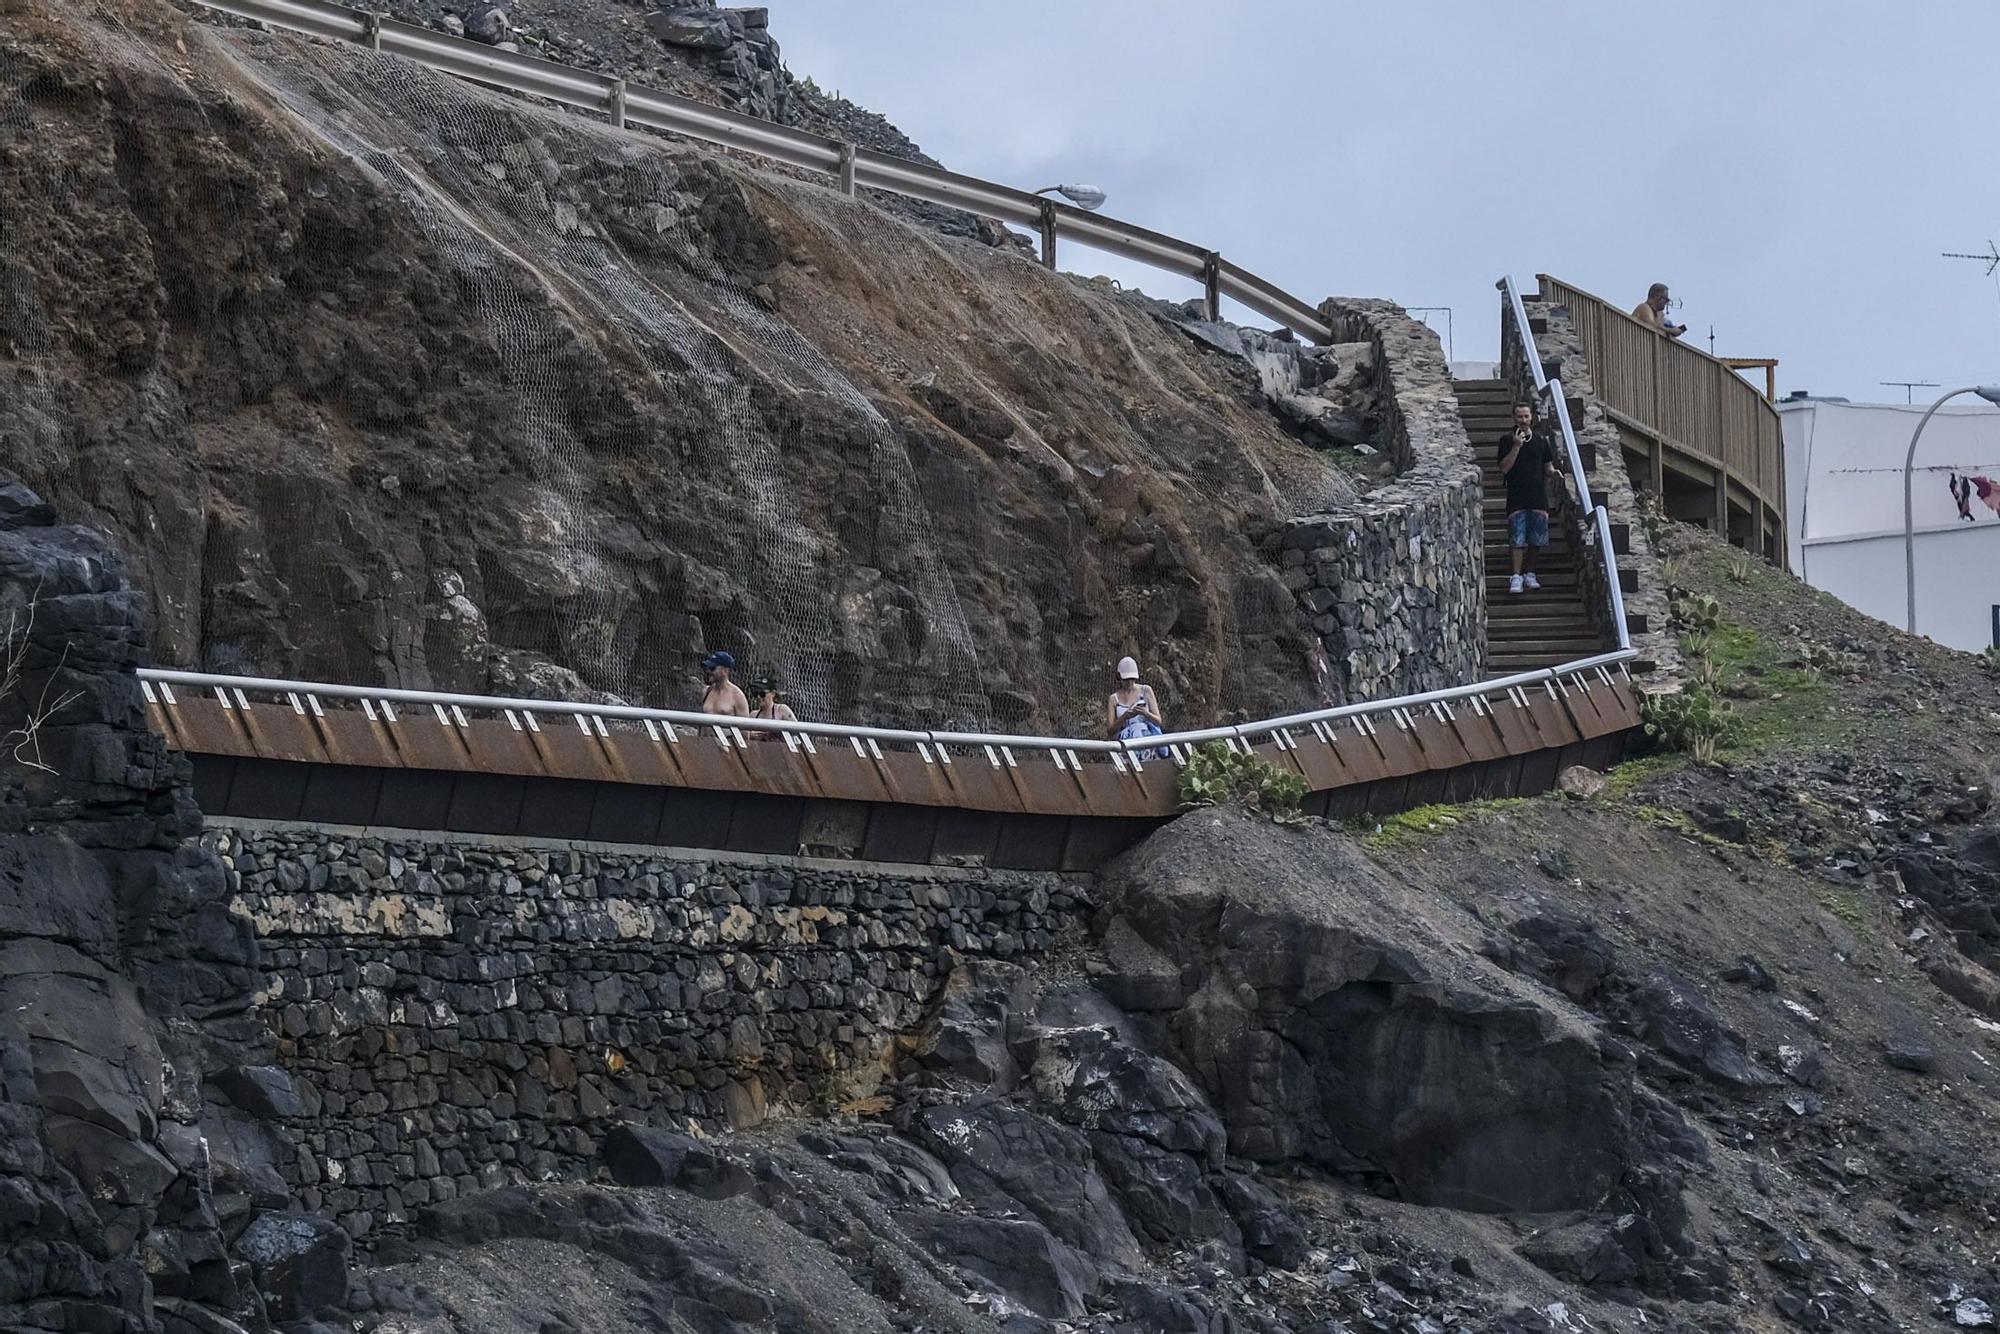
[(1632, 775), (1697, 611), (1991, 659), (1846, 905), (1215, 775), (1406, 827)]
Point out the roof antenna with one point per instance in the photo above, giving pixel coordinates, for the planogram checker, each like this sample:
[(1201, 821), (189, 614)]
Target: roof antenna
[(1991, 259), (1910, 387)]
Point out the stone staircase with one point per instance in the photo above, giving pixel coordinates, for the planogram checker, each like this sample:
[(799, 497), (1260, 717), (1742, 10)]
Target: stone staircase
[(1526, 630)]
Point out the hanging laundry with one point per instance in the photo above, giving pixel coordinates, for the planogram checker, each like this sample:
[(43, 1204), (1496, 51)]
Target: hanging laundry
[(1989, 492), (1961, 491)]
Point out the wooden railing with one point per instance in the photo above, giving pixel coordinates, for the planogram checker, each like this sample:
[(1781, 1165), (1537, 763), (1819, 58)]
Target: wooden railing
[(1685, 406)]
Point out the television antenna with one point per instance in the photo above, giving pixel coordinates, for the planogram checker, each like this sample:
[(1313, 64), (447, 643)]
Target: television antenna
[(1991, 259), (1909, 387)]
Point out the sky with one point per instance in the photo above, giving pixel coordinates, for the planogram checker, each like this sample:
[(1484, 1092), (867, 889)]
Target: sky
[(1792, 170)]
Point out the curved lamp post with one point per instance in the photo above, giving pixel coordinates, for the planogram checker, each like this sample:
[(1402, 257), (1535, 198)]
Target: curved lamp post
[(1989, 392), (1086, 197)]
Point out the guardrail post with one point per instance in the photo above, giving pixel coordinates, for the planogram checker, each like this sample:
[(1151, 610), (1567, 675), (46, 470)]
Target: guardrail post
[(847, 156), (371, 31), (1211, 285), (616, 99), (1048, 234)]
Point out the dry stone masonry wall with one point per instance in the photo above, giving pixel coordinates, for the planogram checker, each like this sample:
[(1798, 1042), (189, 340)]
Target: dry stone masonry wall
[(460, 1015), (1395, 582)]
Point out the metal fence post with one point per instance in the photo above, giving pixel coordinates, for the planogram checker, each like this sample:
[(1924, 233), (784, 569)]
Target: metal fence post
[(617, 100), (1048, 234), (847, 156), (1211, 285), (371, 31)]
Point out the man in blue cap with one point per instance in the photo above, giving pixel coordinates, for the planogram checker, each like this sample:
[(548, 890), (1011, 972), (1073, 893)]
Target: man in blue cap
[(723, 695)]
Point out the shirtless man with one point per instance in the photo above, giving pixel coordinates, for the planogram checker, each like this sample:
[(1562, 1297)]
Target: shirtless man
[(1652, 312), (723, 695)]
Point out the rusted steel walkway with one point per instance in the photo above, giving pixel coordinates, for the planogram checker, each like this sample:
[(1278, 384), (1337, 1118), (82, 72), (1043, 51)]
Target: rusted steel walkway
[(405, 759)]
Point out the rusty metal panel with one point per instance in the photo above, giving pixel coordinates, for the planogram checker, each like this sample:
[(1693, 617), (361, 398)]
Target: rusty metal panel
[(842, 773), (158, 719), (567, 751), (1621, 703), (1323, 765), (205, 727), (1476, 731), (979, 785), (914, 780), (1583, 708), (355, 739), (705, 764), (1439, 739), (1552, 719), (1161, 781), (497, 748), (280, 732), (1045, 789), (1400, 754), (1358, 752), (1107, 792), (774, 767), (642, 759), (1516, 726), (426, 743)]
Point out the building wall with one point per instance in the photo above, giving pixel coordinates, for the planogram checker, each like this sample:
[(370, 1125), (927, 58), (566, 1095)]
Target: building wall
[(1844, 467), (1958, 580), (463, 1013)]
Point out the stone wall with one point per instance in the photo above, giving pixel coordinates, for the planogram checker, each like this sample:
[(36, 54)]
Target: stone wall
[(1394, 583), (461, 1014), (1561, 355)]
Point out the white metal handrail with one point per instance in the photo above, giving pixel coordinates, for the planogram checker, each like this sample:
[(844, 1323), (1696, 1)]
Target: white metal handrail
[(1596, 515), (1123, 752), (635, 104)]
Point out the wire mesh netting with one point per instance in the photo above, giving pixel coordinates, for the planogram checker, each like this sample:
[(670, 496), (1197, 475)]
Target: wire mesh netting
[(449, 389)]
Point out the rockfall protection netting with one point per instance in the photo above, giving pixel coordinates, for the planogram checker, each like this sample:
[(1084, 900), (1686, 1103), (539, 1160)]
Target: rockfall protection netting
[(443, 387), (503, 193), (603, 379)]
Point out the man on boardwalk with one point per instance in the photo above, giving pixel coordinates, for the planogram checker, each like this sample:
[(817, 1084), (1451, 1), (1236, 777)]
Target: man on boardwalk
[(723, 695), (1526, 455)]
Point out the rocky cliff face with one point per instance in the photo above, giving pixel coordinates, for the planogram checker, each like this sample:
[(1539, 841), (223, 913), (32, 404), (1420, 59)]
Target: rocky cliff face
[(378, 377), (132, 1196)]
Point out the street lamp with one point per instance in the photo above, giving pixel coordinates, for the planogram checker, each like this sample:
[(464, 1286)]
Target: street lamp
[(1989, 392), (1086, 197)]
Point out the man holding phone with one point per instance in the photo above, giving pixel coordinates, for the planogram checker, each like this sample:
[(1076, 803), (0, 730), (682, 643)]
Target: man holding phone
[(1526, 456), (1652, 312)]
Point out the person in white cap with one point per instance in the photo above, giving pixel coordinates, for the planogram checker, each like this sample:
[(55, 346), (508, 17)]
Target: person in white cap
[(1132, 714)]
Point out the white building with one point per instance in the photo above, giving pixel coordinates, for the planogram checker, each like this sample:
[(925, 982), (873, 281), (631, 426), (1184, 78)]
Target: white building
[(1844, 502)]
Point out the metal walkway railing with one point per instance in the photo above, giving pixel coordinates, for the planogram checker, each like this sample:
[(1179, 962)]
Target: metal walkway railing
[(850, 166), (1599, 518), (379, 727), (343, 725)]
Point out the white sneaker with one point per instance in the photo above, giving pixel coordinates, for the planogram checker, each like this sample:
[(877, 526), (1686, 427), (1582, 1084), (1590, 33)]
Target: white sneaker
[(1529, 581), (1514, 584)]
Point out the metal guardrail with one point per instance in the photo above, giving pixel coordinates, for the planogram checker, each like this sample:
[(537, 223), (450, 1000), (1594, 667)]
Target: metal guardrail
[(1066, 753), (1600, 520), (852, 167)]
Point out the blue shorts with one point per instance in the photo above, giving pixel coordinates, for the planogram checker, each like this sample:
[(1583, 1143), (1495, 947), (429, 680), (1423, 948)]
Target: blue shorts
[(1528, 528)]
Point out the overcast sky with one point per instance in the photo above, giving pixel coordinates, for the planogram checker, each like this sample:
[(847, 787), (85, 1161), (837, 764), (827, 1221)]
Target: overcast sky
[(1791, 169)]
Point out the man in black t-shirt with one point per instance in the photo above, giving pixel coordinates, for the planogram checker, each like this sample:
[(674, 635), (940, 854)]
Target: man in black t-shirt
[(1526, 455)]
